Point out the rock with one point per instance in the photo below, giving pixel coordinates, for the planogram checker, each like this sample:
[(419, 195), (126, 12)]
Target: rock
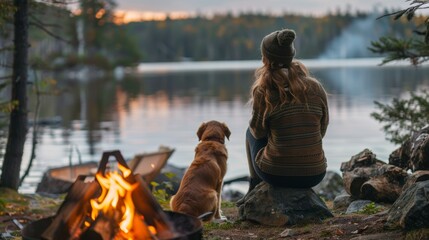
[(342, 201), (274, 206), (231, 195), (330, 187), (357, 206), (287, 233), (411, 209)]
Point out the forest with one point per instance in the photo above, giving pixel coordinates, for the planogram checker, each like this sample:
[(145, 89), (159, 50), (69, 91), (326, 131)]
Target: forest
[(228, 37), (202, 38)]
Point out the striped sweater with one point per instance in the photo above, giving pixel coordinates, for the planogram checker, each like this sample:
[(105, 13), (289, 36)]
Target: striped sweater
[(294, 133)]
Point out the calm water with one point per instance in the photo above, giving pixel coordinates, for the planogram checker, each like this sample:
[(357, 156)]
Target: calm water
[(156, 107)]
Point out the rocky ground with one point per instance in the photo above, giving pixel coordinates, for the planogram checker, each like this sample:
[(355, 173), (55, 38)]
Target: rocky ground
[(368, 224), (365, 225)]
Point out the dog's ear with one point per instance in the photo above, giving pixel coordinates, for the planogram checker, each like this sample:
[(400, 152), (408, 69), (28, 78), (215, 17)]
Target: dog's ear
[(226, 130), (201, 130)]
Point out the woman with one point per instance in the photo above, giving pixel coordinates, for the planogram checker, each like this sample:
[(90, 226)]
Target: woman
[(289, 119)]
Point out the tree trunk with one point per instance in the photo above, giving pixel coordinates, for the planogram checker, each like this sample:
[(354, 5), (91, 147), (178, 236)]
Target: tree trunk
[(18, 116), (386, 186), (413, 153)]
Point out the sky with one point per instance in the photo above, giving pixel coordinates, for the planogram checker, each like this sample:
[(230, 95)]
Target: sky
[(147, 9)]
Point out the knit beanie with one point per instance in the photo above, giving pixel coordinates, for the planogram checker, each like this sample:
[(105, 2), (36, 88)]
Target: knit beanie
[(278, 47)]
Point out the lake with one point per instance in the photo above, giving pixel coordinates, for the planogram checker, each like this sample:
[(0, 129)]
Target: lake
[(165, 103)]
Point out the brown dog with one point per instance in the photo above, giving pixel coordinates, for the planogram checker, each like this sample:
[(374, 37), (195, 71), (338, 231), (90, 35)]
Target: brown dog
[(201, 187)]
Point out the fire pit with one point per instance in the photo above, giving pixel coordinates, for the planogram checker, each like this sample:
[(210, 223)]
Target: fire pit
[(187, 227), (116, 205)]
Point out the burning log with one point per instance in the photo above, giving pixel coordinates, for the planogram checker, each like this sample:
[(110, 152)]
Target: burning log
[(103, 228), (69, 216), (114, 206)]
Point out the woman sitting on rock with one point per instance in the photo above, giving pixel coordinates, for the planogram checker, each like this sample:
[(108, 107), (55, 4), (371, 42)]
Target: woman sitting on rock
[(289, 119)]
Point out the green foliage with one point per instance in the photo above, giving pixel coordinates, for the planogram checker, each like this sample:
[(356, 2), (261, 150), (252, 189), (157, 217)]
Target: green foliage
[(227, 204), (370, 209), (160, 193), (8, 106), (402, 117), (160, 190), (2, 205), (7, 11), (208, 226), (415, 50)]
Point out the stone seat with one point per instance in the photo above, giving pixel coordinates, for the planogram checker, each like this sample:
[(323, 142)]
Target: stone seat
[(275, 206)]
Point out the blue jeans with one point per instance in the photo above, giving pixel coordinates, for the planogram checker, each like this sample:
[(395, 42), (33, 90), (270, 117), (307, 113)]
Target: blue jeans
[(256, 145)]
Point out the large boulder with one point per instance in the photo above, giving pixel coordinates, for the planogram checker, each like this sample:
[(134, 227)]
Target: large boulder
[(411, 209), (275, 206)]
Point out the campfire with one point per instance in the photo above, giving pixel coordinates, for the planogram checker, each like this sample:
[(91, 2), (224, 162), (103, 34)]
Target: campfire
[(116, 204)]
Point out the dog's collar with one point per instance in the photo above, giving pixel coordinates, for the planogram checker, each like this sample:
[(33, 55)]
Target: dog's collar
[(215, 139)]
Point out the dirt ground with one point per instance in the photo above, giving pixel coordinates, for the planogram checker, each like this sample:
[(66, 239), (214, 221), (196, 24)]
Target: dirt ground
[(18, 210), (341, 226)]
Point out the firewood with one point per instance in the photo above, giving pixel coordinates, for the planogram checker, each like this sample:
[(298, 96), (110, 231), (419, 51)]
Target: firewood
[(384, 183), (103, 228), (153, 213), (365, 158), (417, 176), (366, 177), (419, 159), (71, 214), (379, 189), (354, 180), (413, 153)]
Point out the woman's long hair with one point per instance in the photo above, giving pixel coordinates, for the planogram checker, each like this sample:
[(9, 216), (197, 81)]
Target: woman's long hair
[(290, 84)]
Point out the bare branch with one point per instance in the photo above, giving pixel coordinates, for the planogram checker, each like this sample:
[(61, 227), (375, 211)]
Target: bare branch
[(50, 33), (44, 24), (5, 65), (5, 77)]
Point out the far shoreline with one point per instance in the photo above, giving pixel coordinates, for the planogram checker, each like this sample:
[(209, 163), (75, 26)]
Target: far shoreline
[(250, 65)]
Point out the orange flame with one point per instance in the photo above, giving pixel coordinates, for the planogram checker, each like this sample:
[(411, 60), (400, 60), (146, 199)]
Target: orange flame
[(116, 196)]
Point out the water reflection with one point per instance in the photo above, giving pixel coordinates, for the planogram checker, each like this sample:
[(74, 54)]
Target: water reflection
[(141, 112)]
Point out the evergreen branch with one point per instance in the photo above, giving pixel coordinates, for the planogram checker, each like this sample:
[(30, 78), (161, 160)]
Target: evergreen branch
[(396, 49)]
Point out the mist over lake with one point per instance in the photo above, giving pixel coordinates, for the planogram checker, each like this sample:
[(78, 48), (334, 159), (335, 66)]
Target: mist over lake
[(159, 105)]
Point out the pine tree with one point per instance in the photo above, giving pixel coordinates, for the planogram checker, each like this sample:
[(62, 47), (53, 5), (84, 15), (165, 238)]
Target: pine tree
[(403, 117), (414, 49)]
